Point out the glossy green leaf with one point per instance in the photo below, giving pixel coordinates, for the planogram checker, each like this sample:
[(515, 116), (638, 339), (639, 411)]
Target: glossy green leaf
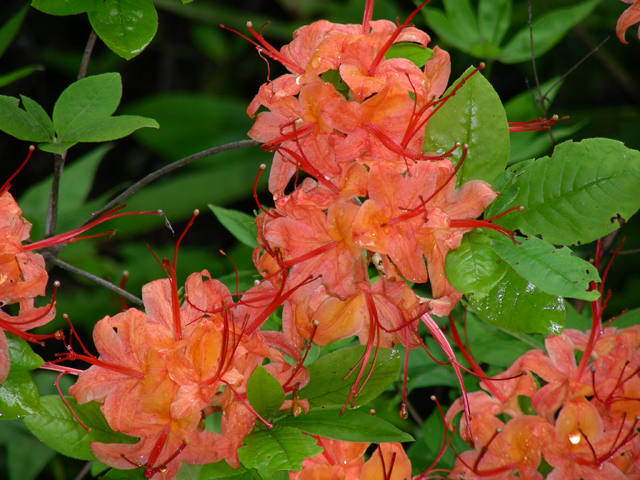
[(553, 270), (548, 30), (22, 355), (586, 186), (281, 448), (18, 396), (125, 26), (352, 426), (517, 305), (264, 392), (223, 470), (475, 116), (326, 387), (57, 427), (133, 474), (58, 147), (10, 29), (629, 319), (494, 18), (241, 225), (474, 268), (86, 101), (18, 123), (109, 128), (411, 51), (65, 7)]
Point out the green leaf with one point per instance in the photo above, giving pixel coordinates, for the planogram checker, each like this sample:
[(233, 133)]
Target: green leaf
[(18, 123), (58, 147), (552, 270), (223, 470), (57, 427), (548, 30), (411, 51), (10, 29), (65, 7), (474, 268), (39, 115), (86, 101), (629, 319), (475, 116), (326, 387), (352, 426), (494, 18), (109, 128), (519, 306), (447, 30), (18, 396), (264, 392), (9, 78), (586, 186), (133, 474), (125, 26), (281, 448), (241, 225), (22, 356)]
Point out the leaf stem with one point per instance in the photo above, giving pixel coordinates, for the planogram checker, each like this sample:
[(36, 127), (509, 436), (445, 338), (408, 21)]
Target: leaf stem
[(169, 168), (100, 281), (52, 212)]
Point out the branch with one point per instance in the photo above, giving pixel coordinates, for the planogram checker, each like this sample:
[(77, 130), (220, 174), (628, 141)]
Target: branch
[(87, 55), (52, 211), (100, 281), (169, 168)]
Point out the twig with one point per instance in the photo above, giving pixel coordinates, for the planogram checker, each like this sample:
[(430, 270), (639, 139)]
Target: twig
[(86, 469), (100, 281), (87, 55), (169, 168), (52, 211), (535, 71)]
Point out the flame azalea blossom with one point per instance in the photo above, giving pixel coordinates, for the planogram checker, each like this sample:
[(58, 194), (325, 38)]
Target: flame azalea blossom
[(629, 17), (22, 277), (159, 371)]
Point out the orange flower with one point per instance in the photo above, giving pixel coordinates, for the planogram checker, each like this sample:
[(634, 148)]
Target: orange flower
[(629, 17)]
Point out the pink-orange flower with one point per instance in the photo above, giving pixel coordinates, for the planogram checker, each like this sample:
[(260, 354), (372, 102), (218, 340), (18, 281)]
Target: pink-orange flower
[(629, 17)]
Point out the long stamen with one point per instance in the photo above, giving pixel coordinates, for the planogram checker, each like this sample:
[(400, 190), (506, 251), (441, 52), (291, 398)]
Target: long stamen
[(6, 185)]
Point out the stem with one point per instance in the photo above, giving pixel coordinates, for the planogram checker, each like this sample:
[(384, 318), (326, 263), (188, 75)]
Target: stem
[(169, 168), (52, 212), (100, 281), (87, 55)]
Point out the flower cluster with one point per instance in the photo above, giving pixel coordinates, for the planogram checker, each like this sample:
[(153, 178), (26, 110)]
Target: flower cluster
[(583, 418), (22, 278), (161, 372), (353, 121)]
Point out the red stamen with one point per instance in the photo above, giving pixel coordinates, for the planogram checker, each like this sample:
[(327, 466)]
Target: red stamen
[(123, 284), (57, 384), (69, 236), (533, 125), (368, 15), (307, 348), (7, 184), (249, 407)]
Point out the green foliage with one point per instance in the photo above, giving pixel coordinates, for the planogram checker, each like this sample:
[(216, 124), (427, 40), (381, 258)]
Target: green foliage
[(351, 426), (241, 225), (22, 356), (411, 51), (264, 393), (18, 396), (223, 470), (552, 270), (57, 427), (329, 385), (519, 306), (481, 35), (474, 268), (586, 186), (66, 7), (81, 114), (281, 448), (475, 116)]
